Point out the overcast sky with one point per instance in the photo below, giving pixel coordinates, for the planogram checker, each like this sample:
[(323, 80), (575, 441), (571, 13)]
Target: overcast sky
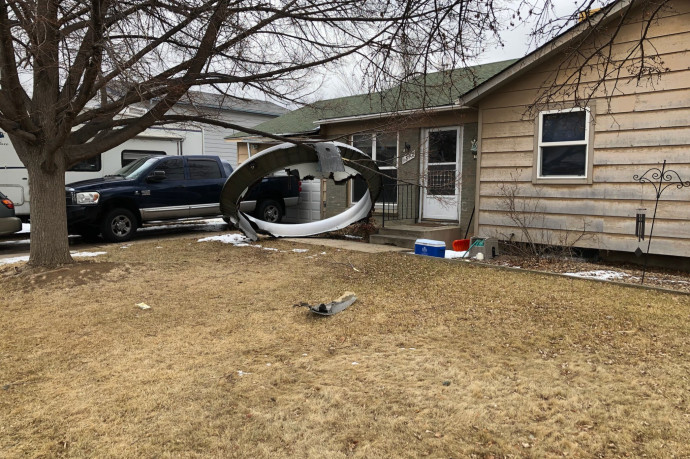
[(516, 42), (517, 39)]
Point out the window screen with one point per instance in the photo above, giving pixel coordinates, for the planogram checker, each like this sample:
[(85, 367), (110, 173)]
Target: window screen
[(564, 127), (443, 146), (363, 142), (383, 148), (387, 149)]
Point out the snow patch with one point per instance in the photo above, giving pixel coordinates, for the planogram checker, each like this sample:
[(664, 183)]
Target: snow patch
[(87, 254), (599, 274), (237, 240), (300, 250), (9, 261)]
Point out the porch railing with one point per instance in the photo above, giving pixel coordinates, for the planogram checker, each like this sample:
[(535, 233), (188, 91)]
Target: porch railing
[(398, 201)]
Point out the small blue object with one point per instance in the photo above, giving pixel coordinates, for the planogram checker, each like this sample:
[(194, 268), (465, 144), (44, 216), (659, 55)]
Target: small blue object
[(430, 248)]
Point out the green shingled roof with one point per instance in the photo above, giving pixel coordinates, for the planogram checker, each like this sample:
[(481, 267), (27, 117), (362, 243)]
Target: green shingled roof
[(432, 90)]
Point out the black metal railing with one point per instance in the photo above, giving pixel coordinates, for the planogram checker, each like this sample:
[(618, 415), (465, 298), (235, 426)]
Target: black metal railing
[(398, 201)]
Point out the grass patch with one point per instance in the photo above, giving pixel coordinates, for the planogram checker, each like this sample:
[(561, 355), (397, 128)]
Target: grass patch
[(435, 358)]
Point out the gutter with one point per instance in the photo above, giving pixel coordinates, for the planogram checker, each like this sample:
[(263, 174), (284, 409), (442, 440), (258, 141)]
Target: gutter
[(442, 108), (237, 138)]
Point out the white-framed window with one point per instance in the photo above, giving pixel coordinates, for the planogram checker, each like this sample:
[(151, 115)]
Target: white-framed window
[(563, 144), (382, 148)]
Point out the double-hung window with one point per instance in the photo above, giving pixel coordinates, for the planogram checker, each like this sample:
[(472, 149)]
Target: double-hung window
[(563, 144), (382, 148)]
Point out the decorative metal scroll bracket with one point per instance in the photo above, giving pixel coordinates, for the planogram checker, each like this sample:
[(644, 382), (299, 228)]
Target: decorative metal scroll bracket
[(661, 179)]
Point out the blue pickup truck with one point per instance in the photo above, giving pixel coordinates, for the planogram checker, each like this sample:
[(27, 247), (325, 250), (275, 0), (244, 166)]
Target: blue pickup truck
[(167, 188)]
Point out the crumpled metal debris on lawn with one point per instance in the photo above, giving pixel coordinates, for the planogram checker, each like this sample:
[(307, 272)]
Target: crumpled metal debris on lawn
[(328, 309)]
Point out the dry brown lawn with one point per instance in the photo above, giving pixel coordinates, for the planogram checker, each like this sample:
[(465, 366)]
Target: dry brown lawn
[(436, 358)]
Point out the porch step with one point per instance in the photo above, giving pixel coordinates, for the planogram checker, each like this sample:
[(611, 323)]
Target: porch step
[(406, 235), (389, 239)]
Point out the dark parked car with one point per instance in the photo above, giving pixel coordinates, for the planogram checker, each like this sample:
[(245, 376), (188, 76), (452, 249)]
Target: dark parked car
[(8, 222), (164, 188)]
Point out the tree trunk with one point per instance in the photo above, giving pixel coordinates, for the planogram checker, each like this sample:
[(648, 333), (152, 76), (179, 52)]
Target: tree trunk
[(49, 243)]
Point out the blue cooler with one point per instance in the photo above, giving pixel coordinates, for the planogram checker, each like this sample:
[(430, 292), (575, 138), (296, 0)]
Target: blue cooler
[(430, 248)]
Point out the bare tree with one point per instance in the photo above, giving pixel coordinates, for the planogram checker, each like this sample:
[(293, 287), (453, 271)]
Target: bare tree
[(70, 68)]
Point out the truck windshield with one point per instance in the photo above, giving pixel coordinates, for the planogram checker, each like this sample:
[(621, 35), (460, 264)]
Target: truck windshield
[(135, 168)]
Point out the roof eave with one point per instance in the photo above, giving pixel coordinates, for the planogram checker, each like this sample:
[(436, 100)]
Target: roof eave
[(310, 132), (229, 108), (370, 116)]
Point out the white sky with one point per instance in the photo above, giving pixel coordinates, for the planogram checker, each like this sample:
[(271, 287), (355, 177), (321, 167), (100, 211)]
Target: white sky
[(516, 44)]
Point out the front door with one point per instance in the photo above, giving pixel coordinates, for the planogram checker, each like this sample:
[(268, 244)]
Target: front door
[(441, 173)]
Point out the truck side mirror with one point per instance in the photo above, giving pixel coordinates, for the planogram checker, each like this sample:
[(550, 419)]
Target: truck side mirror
[(156, 176)]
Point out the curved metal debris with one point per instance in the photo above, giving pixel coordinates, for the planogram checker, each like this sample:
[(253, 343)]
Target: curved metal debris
[(335, 306), (315, 160)]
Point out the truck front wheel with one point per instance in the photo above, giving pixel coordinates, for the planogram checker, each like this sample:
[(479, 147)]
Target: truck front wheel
[(118, 225), (270, 211)]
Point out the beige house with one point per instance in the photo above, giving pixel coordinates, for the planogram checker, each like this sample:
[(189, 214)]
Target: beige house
[(542, 149), (423, 142), (558, 149)]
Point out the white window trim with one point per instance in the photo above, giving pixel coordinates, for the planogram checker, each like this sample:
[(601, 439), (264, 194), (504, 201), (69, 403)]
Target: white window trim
[(373, 154), (587, 142)]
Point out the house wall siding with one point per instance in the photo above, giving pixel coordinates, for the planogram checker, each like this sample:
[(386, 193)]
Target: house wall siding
[(636, 126)]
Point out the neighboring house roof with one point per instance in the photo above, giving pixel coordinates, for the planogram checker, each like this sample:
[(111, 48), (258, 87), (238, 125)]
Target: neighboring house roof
[(546, 51), (439, 89), (231, 103)]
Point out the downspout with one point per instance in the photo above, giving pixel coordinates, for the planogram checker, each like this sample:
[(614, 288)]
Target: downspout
[(203, 140), (478, 171)]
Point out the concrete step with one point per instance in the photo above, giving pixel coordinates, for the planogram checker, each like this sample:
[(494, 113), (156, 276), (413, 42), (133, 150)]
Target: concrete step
[(401, 231), (444, 233), (388, 239)]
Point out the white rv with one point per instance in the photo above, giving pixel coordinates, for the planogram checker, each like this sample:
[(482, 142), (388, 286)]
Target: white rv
[(14, 178), (181, 139)]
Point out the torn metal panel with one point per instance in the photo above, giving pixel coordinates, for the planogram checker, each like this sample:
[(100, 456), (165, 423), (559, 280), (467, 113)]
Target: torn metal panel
[(335, 306), (307, 161), (329, 158)]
